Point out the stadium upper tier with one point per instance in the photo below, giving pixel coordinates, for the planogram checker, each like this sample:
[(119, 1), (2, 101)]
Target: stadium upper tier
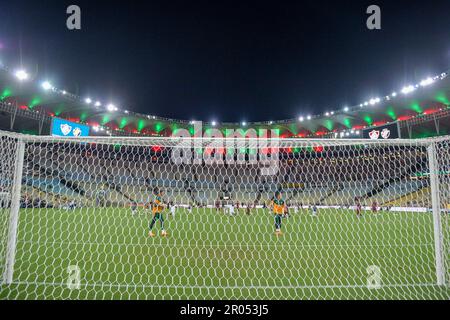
[(22, 96)]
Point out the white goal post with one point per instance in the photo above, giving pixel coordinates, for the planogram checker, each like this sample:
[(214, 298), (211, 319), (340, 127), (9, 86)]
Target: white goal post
[(214, 218)]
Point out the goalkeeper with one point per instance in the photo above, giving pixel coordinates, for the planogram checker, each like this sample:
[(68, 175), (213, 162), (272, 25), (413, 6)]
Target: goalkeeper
[(157, 210), (279, 209)]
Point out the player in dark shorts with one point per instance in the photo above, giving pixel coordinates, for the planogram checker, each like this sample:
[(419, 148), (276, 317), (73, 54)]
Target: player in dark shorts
[(358, 207), (374, 207), (217, 205)]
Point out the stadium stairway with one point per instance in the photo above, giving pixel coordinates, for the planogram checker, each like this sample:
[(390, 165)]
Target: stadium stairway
[(421, 165), (49, 172), (114, 186)]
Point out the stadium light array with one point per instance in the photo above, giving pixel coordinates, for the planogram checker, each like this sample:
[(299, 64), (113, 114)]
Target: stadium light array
[(46, 85), (408, 89), (426, 82), (22, 75), (111, 107), (213, 123)]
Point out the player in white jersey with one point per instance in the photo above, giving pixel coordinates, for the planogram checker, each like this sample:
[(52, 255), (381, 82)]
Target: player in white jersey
[(231, 209), (172, 209)]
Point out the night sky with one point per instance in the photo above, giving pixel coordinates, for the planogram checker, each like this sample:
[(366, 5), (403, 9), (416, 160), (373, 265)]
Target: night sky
[(228, 60)]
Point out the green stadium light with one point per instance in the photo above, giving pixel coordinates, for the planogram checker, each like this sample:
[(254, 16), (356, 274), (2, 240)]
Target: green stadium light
[(368, 120), (416, 107), (158, 127), (123, 123), (5, 94), (391, 113), (347, 122), (140, 125)]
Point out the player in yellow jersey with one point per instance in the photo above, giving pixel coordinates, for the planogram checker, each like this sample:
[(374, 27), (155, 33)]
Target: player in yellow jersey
[(279, 209), (158, 206)]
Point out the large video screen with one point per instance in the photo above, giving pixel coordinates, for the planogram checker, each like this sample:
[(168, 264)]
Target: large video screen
[(388, 131), (64, 128)]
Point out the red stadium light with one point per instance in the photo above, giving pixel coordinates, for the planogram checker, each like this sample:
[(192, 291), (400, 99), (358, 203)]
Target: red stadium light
[(379, 123), (430, 111), (318, 148), (404, 118)]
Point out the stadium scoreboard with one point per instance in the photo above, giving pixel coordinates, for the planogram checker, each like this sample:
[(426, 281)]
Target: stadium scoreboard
[(65, 128), (384, 132)]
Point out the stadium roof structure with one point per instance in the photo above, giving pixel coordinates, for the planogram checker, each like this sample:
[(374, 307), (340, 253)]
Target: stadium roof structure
[(25, 97)]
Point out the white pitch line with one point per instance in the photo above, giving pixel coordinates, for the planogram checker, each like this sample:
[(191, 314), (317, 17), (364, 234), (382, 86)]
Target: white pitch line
[(144, 286), (204, 246)]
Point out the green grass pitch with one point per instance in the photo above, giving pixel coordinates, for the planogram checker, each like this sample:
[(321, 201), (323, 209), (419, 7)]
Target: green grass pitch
[(209, 255)]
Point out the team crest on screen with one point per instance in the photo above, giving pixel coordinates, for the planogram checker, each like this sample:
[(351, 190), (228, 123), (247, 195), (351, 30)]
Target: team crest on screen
[(374, 134), (386, 133), (65, 129), (77, 132)]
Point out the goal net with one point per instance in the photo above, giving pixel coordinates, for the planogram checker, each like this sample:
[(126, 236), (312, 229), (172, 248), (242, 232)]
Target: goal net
[(210, 218)]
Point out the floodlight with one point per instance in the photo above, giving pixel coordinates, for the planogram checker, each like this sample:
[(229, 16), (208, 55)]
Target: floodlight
[(22, 75), (426, 82), (408, 89), (46, 85)]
